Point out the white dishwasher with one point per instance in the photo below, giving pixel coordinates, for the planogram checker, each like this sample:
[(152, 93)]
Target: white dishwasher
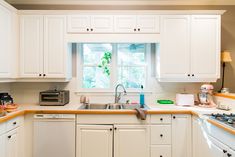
[(54, 135)]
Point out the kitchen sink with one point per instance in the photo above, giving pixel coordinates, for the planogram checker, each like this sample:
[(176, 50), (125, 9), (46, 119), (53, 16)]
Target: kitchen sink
[(94, 107), (110, 106)]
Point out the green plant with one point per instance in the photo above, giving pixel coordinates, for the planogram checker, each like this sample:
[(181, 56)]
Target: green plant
[(105, 61)]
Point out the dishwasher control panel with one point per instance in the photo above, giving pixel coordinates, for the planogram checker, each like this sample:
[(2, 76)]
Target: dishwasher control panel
[(54, 116)]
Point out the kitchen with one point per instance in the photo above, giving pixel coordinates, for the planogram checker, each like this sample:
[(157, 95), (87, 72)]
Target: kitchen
[(87, 50)]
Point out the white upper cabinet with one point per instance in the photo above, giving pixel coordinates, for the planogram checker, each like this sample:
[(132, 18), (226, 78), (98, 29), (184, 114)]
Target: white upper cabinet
[(43, 51), (125, 23), (148, 24), (8, 46), (31, 46), (90, 23), (54, 46), (189, 49), (175, 47), (205, 46), (5, 41), (136, 24)]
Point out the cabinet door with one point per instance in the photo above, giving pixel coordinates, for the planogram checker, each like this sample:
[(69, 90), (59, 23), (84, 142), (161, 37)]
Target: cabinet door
[(125, 24), (2, 145), (78, 23), (181, 136), (131, 141), (5, 42), (102, 23), (31, 46), (205, 46), (174, 48), (12, 144), (54, 46), (94, 140), (148, 24), (232, 152)]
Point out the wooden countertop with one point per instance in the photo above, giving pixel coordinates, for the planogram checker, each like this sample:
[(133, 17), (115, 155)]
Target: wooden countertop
[(229, 96), (168, 110)]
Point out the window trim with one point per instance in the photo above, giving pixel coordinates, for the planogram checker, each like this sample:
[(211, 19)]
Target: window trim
[(113, 76)]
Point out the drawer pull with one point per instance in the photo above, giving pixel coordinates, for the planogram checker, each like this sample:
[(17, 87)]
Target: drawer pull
[(9, 137), (174, 117), (14, 123), (229, 155), (161, 135), (225, 151), (111, 129), (160, 155), (161, 119)]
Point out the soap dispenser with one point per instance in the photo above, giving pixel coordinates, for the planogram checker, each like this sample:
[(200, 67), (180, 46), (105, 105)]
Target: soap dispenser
[(142, 103)]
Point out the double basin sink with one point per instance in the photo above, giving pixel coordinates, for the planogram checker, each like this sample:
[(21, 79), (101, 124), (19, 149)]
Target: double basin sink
[(111, 106)]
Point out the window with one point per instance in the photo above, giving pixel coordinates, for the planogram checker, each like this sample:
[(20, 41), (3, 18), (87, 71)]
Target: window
[(94, 76), (131, 65), (103, 65)]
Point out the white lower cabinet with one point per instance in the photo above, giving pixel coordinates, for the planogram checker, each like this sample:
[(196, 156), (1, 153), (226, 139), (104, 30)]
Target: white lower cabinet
[(161, 151), (12, 143), (161, 136), (2, 145), (181, 136), (131, 141), (112, 141), (94, 140)]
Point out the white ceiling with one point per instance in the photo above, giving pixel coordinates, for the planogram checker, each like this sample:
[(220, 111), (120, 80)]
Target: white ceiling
[(125, 2)]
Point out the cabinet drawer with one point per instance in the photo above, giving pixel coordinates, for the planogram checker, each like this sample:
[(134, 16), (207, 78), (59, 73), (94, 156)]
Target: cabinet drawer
[(110, 119), (161, 119), (161, 151), (12, 124), (160, 134)]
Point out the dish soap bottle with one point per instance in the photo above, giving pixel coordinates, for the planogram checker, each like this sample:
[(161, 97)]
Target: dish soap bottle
[(142, 97)]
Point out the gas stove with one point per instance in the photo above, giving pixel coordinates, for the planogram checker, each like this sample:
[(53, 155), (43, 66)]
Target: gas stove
[(227, 119)]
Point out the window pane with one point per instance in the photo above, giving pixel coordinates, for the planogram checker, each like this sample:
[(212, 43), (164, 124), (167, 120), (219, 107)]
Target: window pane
[(93, 77), (131, 54), (92, 53), (132, 77)]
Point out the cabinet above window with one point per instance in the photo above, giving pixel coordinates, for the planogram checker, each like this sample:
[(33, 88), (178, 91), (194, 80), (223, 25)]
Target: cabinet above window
[(113, 24)]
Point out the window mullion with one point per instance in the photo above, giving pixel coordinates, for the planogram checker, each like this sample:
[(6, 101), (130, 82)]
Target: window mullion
[(114, 77)]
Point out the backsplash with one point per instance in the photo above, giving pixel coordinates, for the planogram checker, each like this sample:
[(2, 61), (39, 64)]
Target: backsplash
[(28, 93)]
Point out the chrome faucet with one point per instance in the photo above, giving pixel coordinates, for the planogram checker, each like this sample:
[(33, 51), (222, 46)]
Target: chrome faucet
[(118, 96)]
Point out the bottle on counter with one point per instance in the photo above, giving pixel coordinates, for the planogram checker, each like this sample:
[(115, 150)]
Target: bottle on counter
[(142, 101)]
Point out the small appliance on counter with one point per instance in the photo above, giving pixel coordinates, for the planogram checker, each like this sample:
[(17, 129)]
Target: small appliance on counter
[(185, 99), (205, 96), (54, 98), (5, 99)]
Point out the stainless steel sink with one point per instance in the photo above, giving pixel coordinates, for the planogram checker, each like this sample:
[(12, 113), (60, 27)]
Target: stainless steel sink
[(111, 106), (94, 107)]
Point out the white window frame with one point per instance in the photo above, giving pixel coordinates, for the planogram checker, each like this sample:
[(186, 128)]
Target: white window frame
[(113, 75)]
